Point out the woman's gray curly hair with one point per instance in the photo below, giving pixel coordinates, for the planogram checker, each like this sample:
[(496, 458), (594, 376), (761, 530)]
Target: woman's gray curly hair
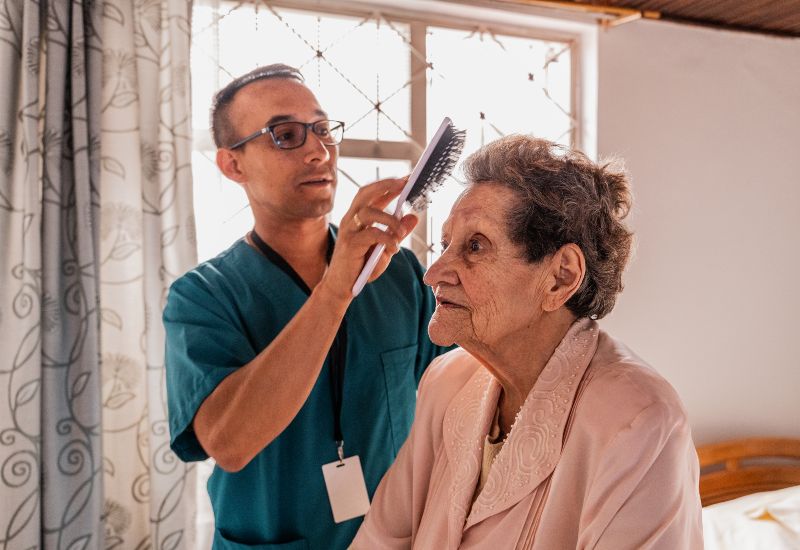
[(563, 197)]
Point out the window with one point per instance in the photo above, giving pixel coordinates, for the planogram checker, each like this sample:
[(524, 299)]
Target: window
[(391, 77)]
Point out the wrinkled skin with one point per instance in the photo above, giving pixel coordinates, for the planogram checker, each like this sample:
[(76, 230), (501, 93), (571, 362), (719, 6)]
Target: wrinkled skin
[(488, 295)]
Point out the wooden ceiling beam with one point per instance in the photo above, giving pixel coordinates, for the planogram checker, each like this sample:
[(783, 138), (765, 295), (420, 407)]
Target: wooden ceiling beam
[(782, 19), (611, 13)]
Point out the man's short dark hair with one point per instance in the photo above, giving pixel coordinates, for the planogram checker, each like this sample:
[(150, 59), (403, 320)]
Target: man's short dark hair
[(221, 126)]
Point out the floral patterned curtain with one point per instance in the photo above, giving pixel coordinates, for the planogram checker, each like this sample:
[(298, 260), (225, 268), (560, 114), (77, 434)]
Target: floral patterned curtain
[(50, 433), (95, 223), (147, 240)]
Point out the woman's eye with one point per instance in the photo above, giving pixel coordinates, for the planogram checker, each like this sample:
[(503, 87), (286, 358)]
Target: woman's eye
[(474, 245), (443, 246)]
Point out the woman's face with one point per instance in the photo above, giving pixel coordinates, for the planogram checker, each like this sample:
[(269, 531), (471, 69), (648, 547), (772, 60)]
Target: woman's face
[(487, 294)]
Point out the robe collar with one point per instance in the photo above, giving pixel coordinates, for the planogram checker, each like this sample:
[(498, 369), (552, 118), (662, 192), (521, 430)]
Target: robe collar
[(533, 446)]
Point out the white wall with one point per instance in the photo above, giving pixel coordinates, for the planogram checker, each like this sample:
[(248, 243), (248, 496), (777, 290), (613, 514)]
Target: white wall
[(708, 123)]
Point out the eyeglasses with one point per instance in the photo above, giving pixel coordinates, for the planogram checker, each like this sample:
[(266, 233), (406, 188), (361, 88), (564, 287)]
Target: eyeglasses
[(291, 135)]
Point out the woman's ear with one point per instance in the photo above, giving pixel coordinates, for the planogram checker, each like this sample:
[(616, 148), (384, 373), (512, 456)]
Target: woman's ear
[(568, 268), (229, 165)]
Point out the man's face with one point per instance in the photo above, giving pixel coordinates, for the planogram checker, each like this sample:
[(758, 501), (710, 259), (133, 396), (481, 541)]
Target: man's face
[(285, 183)]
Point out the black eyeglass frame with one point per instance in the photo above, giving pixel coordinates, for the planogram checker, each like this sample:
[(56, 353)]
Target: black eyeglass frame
[(331, 125)]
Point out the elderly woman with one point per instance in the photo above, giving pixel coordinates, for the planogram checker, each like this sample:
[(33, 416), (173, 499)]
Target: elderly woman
[(542, 431)]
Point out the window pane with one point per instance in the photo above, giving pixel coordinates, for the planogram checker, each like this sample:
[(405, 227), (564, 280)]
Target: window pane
[(493, 85), (328, 49)]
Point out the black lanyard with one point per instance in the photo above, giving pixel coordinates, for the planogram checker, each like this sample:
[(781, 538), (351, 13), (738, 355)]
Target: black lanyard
[(337, 354)]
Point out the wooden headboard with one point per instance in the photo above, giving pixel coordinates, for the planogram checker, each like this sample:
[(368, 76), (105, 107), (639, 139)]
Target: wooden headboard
[(740, 467)]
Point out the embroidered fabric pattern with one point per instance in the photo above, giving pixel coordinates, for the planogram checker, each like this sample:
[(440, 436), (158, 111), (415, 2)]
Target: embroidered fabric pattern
[(465, 425), (534, 443)]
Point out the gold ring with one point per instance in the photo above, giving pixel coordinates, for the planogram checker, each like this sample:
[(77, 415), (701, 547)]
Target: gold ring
[(359, 224)]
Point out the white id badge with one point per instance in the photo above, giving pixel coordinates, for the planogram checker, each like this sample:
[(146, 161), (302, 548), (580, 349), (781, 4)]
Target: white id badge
[(347, 490)]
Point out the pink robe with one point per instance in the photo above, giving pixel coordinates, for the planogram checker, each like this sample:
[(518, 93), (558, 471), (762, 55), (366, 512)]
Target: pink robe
[(619, 471)]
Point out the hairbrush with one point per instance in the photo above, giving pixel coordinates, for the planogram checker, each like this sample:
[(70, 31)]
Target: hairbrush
[(434, 166)]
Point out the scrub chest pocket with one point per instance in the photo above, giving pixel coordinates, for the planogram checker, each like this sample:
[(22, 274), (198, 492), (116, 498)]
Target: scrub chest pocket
[(398, 371)]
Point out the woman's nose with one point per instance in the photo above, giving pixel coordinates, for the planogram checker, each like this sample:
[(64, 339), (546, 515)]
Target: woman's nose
[(440, 271)]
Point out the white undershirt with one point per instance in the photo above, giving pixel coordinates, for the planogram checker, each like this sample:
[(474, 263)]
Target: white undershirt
[(491, 448)]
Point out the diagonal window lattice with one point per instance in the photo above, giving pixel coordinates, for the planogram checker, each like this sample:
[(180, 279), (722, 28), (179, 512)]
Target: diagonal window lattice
[(391, 80)]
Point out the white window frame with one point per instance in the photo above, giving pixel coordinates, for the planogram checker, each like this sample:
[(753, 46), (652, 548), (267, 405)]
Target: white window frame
[(509, 18)]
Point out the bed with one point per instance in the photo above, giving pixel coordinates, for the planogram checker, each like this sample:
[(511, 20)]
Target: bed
[(750, 491)]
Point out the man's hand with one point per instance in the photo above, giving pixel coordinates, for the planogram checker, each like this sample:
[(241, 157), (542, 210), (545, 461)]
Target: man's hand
[(357, 236)]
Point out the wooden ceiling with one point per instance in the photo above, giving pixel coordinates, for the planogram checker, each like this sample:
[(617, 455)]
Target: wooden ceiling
[(776, 17)]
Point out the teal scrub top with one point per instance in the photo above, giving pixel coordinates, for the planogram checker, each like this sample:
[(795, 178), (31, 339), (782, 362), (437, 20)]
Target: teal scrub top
[(219, 316)]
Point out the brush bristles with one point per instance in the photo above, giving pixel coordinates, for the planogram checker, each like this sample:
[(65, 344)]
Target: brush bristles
[(438, 168)]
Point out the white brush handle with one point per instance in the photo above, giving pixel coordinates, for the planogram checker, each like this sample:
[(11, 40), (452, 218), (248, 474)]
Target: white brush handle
[(369, 267)]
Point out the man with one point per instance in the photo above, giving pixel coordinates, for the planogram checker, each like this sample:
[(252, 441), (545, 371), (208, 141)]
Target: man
[(273, 368)]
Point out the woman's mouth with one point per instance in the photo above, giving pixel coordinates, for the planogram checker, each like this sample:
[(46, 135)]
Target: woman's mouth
[(447, 304)]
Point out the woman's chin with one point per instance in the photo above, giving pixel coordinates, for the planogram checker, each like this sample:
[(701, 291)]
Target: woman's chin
[(439, 335)]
